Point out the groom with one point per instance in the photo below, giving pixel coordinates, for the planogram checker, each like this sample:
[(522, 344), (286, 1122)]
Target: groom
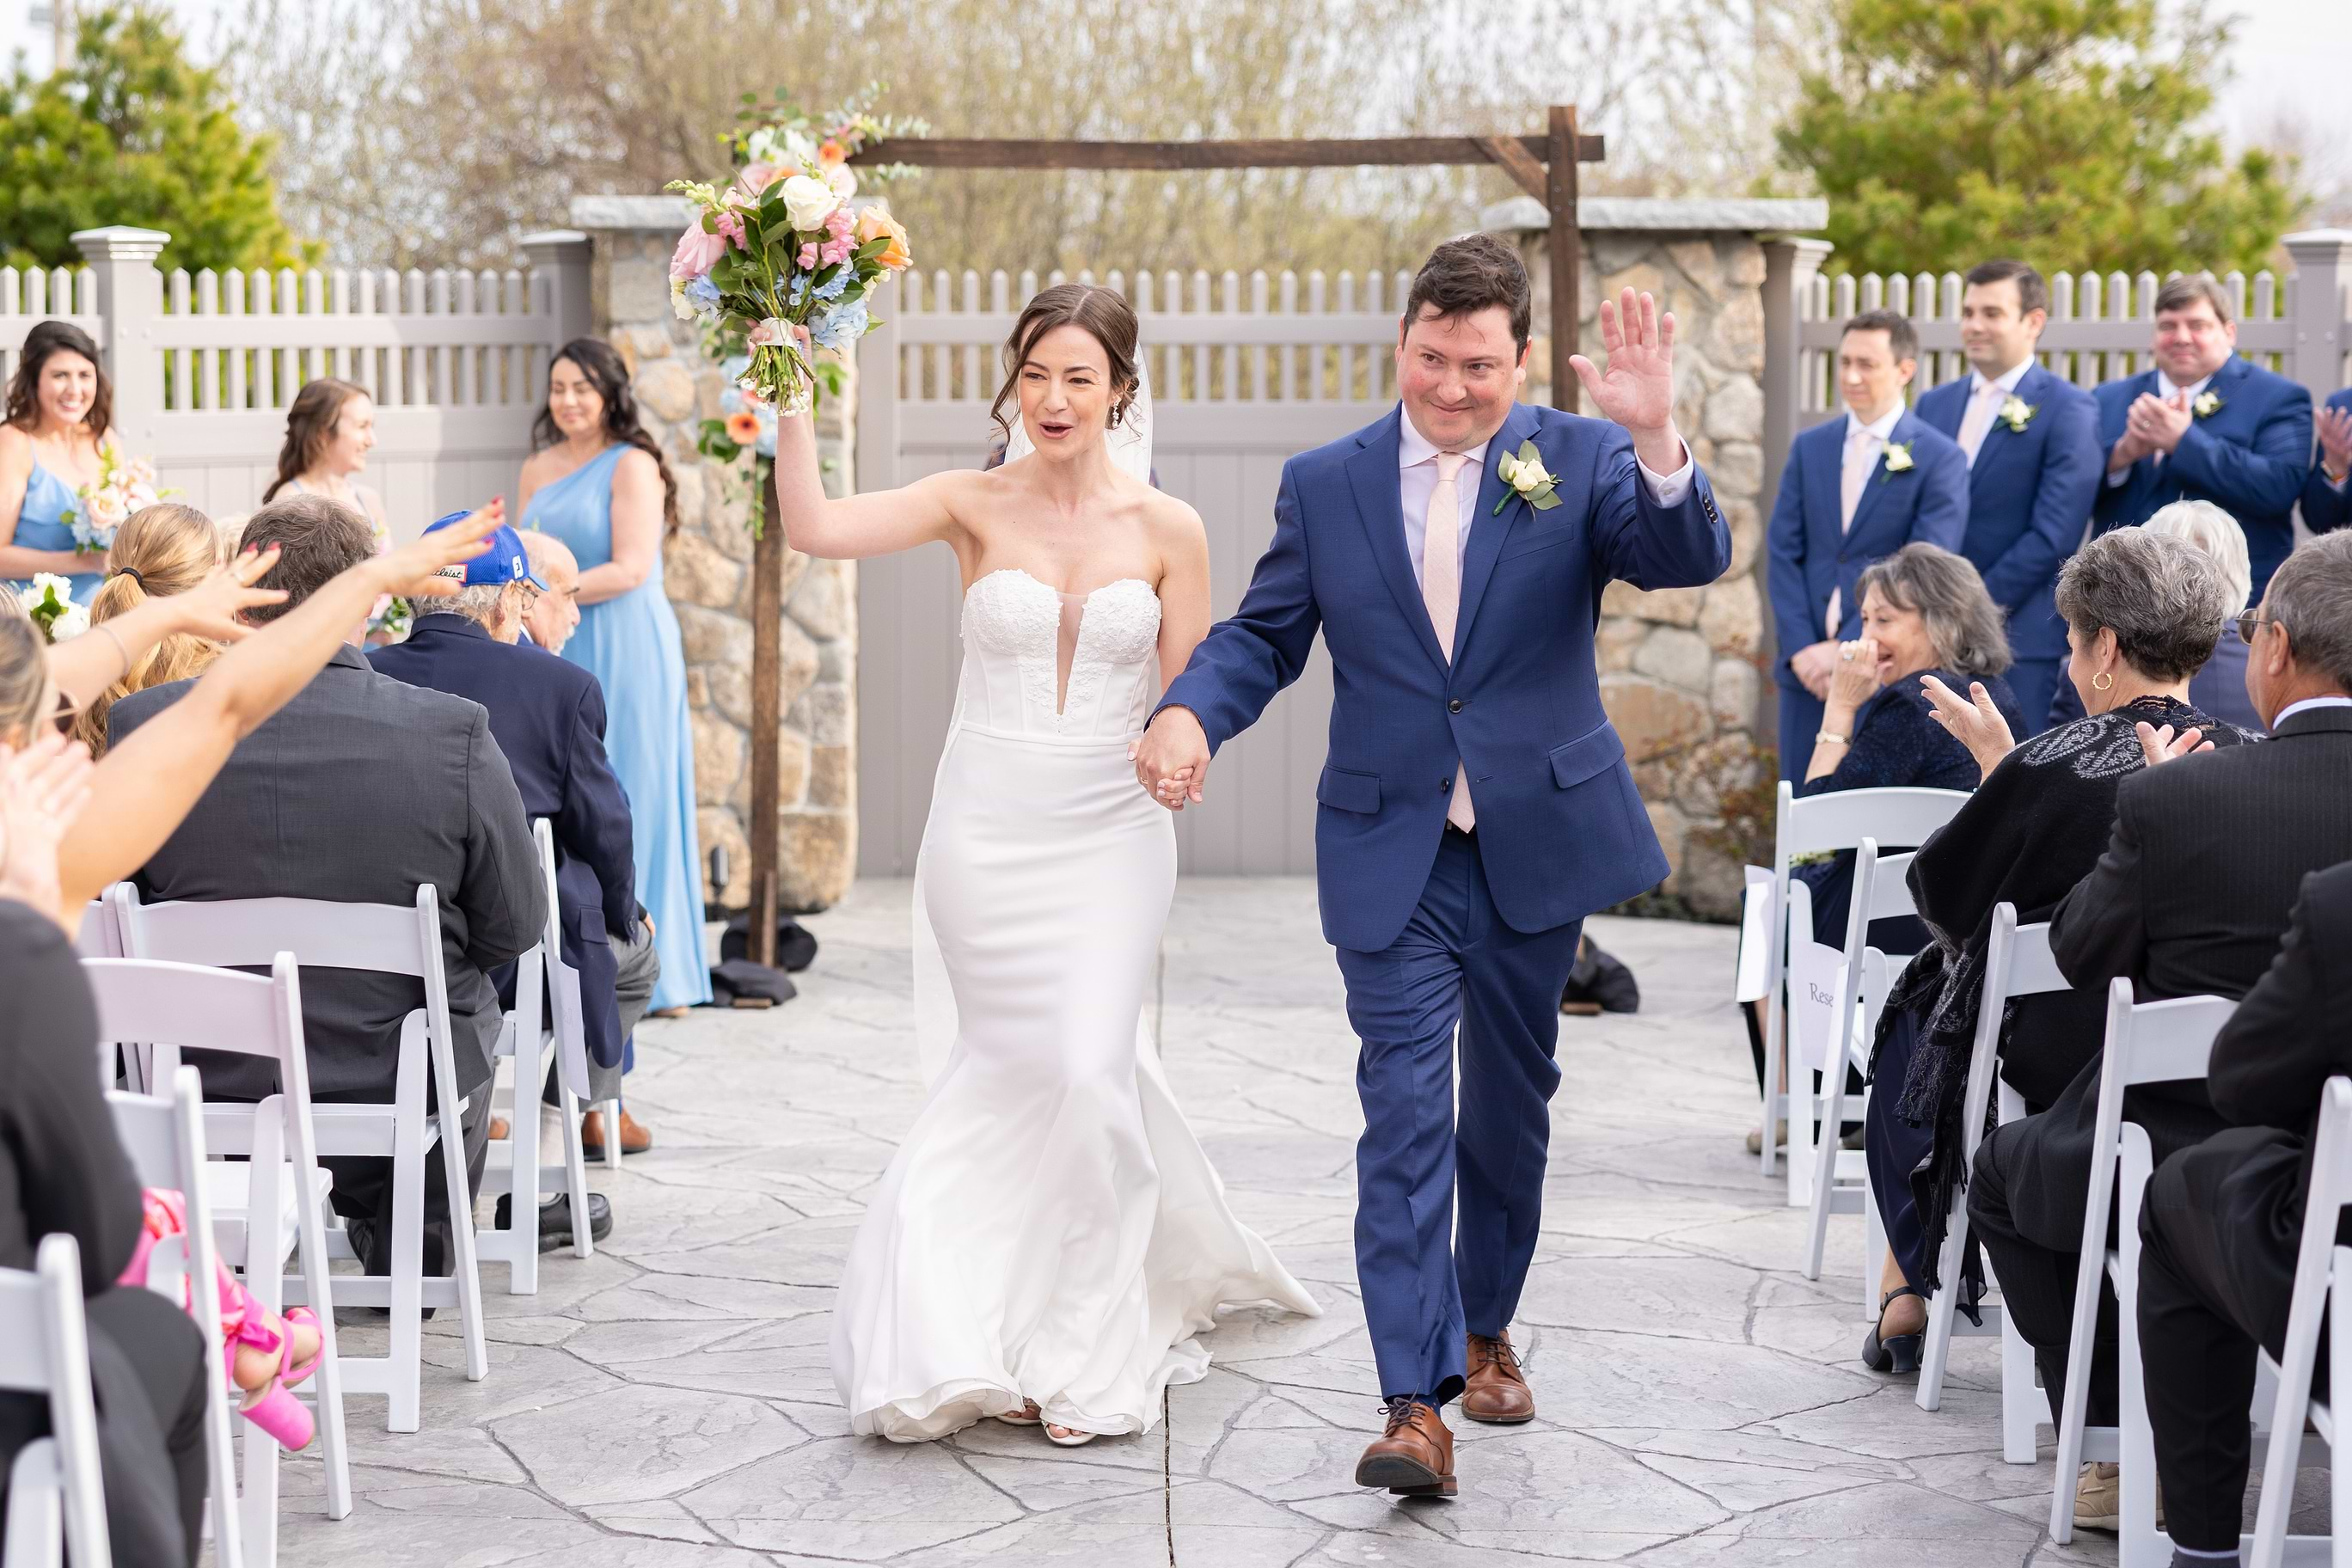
[(1476, 804)]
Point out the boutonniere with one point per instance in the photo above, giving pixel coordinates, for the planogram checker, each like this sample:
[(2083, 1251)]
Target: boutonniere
[(2208, 405), (1527, 478), (1897, 460), (2017, 414)]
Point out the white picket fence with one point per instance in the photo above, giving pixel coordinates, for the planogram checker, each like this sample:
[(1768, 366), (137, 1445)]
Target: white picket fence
[(203, 365)]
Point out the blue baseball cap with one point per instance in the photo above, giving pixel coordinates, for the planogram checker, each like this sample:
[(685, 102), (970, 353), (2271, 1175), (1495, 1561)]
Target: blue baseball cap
[(504, 561)]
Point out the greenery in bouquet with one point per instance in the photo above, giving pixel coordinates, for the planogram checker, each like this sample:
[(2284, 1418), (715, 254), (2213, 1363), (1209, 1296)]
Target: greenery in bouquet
[(49, 603), (781, 256)]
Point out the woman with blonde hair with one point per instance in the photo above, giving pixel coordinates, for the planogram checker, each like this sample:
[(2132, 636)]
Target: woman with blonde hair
[(160, 550)]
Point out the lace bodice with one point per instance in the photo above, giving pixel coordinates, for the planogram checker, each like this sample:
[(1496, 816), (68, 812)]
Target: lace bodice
[(1017, 633)]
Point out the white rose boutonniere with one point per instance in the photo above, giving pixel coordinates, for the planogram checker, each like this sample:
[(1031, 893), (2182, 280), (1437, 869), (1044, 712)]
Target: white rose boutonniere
[(2208, 405), (2017, 414), (1528, 477), (1898, 459)]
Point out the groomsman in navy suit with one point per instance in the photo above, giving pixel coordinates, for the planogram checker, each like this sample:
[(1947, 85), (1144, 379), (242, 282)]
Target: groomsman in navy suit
[(2206, 424), (2032, 446), (1856, 489), (2327, 496)]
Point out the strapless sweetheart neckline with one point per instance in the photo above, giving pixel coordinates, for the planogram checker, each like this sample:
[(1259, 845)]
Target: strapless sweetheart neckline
[(1032, 576)]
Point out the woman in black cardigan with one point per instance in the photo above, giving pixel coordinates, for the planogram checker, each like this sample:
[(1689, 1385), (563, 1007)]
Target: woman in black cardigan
[(2143, 610)]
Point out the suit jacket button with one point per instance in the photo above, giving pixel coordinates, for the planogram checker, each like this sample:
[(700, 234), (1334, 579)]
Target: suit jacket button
[(1444, 785), (1454, 706)]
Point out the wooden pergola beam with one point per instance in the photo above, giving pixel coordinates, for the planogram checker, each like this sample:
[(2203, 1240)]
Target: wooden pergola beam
[(951, 152)]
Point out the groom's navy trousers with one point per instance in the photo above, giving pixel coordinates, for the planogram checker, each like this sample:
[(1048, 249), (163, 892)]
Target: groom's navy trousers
[(1434, 927)]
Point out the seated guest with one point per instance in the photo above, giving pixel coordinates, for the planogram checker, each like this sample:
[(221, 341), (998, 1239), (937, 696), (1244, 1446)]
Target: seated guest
[(2328, 494), (2218, 691), (358, 791), (67, 838), (554, 614), (2222, 1219), (2205, 423), (2141, 612), (1856, 489), (160, 549), (2190, 899), (548, 719), (1925, 615)]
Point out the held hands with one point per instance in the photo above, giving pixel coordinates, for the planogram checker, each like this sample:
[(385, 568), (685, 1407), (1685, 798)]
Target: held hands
[(1972, 720), (1855, 679), (2157, 424), (1171, 760), (1637, 389), (411, 570), (2335, 442), (2161, 746), (1812, 666)]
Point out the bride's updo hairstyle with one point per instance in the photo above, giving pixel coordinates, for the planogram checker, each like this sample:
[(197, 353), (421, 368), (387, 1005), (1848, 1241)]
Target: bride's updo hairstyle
[(1103, 312)]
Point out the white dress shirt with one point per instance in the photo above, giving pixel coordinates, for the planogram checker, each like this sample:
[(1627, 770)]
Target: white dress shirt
[(2292, 709), (1863, 446), (2165, 389), (1417, 479), (1983, 409)]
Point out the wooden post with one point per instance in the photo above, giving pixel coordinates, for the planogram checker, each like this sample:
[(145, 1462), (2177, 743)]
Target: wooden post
[(767, 720), (1566, 247)]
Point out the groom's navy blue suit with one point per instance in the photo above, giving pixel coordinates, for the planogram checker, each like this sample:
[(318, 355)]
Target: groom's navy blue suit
[(1435, 927)]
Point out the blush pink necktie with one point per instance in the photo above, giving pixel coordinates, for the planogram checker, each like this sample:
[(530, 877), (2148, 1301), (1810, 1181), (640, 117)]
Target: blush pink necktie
[(1440, 590), (1976, 423)]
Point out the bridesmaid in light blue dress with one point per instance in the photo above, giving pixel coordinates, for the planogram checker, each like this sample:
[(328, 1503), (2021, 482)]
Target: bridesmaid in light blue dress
[(599, 485), (58, 405)]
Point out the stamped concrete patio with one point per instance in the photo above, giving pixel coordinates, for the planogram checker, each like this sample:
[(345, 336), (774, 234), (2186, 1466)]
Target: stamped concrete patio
[(668, 1402)]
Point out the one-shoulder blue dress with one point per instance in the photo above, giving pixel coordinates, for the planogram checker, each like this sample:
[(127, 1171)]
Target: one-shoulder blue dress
[(631, 644), (41, 525)]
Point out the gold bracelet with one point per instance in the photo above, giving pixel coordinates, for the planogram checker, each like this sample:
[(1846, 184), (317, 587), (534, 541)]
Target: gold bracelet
[(112, 637)]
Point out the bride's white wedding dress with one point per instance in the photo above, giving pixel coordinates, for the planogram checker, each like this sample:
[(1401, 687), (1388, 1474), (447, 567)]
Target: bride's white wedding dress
[(1051, 1230)]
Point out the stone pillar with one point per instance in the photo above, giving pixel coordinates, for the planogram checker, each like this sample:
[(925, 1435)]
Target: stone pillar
[(1681, 670), (707, 567)]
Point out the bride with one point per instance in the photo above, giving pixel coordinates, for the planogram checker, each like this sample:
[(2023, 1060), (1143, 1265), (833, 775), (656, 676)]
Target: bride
[(1050, 1239)]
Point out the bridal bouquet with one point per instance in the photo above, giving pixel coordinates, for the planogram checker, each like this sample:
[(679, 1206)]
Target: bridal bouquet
[(123, 487), (49, 603), (782, 251)]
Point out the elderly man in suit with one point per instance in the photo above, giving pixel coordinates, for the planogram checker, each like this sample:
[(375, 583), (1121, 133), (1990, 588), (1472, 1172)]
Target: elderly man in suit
[(2190, 899), (2205, 424), (2033, 447), (2328, 494), (1855, 490), (361, 790), (547, 717), (553, 613)]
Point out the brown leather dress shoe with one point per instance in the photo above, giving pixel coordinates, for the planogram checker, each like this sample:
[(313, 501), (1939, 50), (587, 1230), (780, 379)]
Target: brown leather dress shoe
[(1414, 1457), (634, 1139), (1496, 1393)]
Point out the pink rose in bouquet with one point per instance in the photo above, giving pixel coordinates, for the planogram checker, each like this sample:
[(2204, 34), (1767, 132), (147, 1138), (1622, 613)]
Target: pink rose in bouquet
[(696, 253)]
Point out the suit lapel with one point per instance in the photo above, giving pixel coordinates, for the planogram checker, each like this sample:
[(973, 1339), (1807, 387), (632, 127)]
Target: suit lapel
[(1998, 433), (1487, 532), (1823, 474), (1379, 503), (1880, 481), (1933, 403)]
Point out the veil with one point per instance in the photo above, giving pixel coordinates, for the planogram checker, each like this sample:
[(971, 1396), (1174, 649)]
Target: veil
[(1128, 442)]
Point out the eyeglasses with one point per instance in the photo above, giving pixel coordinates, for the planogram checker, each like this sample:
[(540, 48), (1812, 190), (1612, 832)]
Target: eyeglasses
[(2247, 622)]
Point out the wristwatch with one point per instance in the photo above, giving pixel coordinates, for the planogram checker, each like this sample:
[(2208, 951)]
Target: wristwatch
[(1829, 738)]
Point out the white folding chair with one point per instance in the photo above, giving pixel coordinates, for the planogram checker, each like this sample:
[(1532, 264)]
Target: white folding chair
[(2153, 1042), (385, 939), (2017, 963), (525, 1039), (1902, 819), (1842, 1175), (164, 1139), (260, 1210), (2323, 1277), (56, 1496), (98, 938)]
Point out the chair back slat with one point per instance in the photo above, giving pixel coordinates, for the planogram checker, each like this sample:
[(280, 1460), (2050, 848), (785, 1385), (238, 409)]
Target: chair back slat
[(2171, 1040), (96, 937), (1890, 889), (2032, 970), (1843, 819), (185, 1004), (386, 939)]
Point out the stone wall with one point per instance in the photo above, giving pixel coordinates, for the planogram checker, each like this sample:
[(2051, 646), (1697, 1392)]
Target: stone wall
[(1681, 669), (707, 566)]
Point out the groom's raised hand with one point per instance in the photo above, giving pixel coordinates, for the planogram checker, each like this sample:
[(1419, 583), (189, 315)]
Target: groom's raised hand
[(1171, 760), (1637, 389)]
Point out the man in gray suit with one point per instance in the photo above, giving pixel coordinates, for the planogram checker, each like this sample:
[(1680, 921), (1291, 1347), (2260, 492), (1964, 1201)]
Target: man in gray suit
[(360, 790)]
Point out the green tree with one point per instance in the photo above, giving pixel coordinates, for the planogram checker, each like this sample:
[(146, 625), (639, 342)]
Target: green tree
[(2063, 131), (128, 132)]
